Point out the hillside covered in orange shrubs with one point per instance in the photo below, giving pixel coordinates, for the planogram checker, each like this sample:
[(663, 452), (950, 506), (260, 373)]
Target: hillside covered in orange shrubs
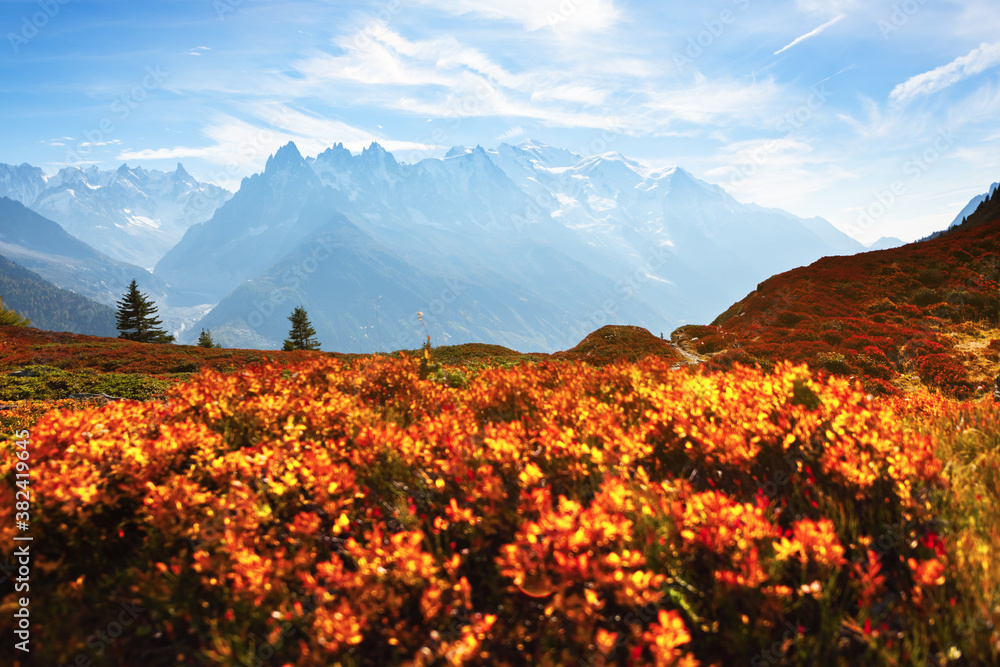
[(358, 512), (922, 315)]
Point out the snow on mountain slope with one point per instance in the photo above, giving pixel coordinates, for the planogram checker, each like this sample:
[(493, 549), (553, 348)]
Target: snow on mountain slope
[(574, 242), (609, 192), (21, 183), (44, 247), (617, 203), (133, 215)]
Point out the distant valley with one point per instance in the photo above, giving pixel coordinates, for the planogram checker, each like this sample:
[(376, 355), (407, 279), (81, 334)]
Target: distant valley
[(527, 246)]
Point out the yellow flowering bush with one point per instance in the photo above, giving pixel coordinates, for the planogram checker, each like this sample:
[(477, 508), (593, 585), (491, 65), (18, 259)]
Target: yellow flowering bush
[(556, 513)]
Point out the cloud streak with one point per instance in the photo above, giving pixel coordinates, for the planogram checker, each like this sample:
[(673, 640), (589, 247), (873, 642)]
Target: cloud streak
[(556, 15), (443, 78), (978, 60), (811, 33)]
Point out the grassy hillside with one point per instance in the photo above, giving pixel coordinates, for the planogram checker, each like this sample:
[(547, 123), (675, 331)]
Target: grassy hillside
[(925, 314), (614, 343)]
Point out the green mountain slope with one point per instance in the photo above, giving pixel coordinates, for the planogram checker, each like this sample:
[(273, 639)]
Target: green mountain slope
[(50, 307)]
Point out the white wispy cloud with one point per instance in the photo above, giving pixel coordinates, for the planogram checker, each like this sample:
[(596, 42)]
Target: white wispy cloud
[(444, 78), (556, 15), (709, 102), (811, 33), (781, 172), (110, 142), (174, 153), (243, 147), (512, 133), (383, 57), (585, 95), (978, 60), (828, 7), (741, 162)]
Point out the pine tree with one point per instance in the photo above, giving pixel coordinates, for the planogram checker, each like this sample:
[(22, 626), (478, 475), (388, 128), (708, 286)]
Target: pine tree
[(11, 318), (301, 335), (205, 339), (137, 319)]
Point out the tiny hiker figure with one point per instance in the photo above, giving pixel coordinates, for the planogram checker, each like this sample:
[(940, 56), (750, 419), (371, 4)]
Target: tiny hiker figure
[(996, 389)]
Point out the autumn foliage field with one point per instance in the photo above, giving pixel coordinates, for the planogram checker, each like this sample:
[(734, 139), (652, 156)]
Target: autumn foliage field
[(924, 315), (374, 511), (823, 489)]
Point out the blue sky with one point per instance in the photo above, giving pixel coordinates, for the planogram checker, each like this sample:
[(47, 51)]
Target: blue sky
[(880, 115)]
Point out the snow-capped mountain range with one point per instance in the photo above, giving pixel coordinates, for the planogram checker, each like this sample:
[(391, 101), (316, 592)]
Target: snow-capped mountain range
[(133, 215), (528, 246)]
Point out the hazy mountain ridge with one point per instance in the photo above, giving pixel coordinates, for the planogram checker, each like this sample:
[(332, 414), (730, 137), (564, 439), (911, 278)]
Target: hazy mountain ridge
[(973, 204), (44, 247), (573, 242), (133, 215), (268, 216), (432, 263), (374, 307)]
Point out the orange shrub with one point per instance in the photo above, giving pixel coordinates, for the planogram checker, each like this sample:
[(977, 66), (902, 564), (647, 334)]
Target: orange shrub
[(553, 514)]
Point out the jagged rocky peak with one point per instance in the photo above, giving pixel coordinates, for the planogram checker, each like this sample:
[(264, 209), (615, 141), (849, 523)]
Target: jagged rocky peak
[(374, 148), (334, 153), (75, 176), (478, 157), (286, 156), (134, 171), (376, 155), (376, 152), (455, 151), (134, 175)]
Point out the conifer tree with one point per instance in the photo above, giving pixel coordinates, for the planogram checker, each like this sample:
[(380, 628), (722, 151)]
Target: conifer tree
[(302, 335), (136, 319), (12, 318), (205, 339)]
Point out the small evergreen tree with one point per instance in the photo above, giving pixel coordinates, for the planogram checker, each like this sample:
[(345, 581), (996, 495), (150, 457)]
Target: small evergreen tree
[(12, 318), (302, 335), (136, 319), (205, 339)]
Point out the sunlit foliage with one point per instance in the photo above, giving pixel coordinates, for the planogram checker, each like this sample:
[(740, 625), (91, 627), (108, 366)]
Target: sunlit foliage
[(553, 513)]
